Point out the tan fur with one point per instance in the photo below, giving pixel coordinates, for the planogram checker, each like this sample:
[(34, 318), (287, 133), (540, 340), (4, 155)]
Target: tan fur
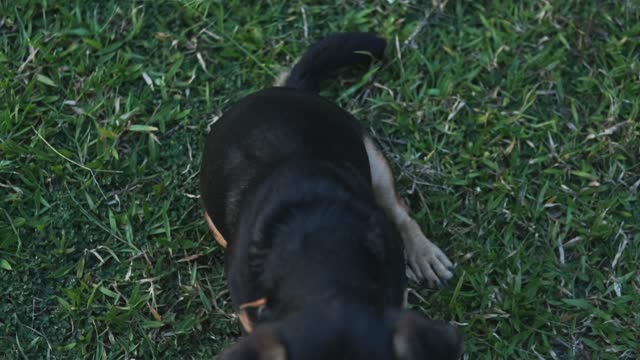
[(282, 78), (216, 234), (425, 261)]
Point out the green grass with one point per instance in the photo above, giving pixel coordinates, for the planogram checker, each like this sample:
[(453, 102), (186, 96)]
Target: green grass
[(513, 127)]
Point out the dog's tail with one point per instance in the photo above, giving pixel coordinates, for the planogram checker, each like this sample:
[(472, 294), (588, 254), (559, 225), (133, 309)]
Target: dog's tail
[(331, 53)]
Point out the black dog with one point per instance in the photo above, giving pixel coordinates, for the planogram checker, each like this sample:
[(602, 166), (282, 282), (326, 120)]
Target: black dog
[(315, 230)]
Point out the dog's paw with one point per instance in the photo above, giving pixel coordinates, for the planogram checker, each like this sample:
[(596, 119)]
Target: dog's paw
[(426, 262)]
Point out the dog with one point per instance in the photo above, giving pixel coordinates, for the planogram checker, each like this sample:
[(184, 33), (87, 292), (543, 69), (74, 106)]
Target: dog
[(316, 238)]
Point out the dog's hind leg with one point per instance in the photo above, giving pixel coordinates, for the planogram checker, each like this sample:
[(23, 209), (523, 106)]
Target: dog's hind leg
[(216, 234), (425, 261)]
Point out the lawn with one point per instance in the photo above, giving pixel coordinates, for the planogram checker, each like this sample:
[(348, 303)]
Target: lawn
[(512, 126)]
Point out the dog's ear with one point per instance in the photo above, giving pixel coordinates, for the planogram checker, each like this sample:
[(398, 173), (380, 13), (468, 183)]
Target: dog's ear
[(262, 344), (416, 337)]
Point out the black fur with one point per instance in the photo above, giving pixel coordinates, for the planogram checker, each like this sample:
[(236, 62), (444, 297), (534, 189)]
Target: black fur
[(332, 53), (286, 180)]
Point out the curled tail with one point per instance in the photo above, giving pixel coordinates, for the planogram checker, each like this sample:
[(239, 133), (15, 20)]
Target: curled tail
[(331, 53)]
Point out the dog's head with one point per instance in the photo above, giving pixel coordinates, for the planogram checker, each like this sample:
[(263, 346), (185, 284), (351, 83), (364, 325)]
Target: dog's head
[(342, 332)]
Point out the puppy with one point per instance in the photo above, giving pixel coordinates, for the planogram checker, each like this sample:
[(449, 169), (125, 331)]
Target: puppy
[(316, 237)]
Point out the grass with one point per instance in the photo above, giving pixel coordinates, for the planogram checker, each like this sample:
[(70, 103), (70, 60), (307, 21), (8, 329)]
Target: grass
[(513, 127)]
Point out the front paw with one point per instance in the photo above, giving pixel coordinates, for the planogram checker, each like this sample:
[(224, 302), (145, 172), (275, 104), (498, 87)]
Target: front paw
[(426, 262)]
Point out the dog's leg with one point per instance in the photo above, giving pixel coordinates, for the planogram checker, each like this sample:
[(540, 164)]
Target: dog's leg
[(216, 234), (425, 261)]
